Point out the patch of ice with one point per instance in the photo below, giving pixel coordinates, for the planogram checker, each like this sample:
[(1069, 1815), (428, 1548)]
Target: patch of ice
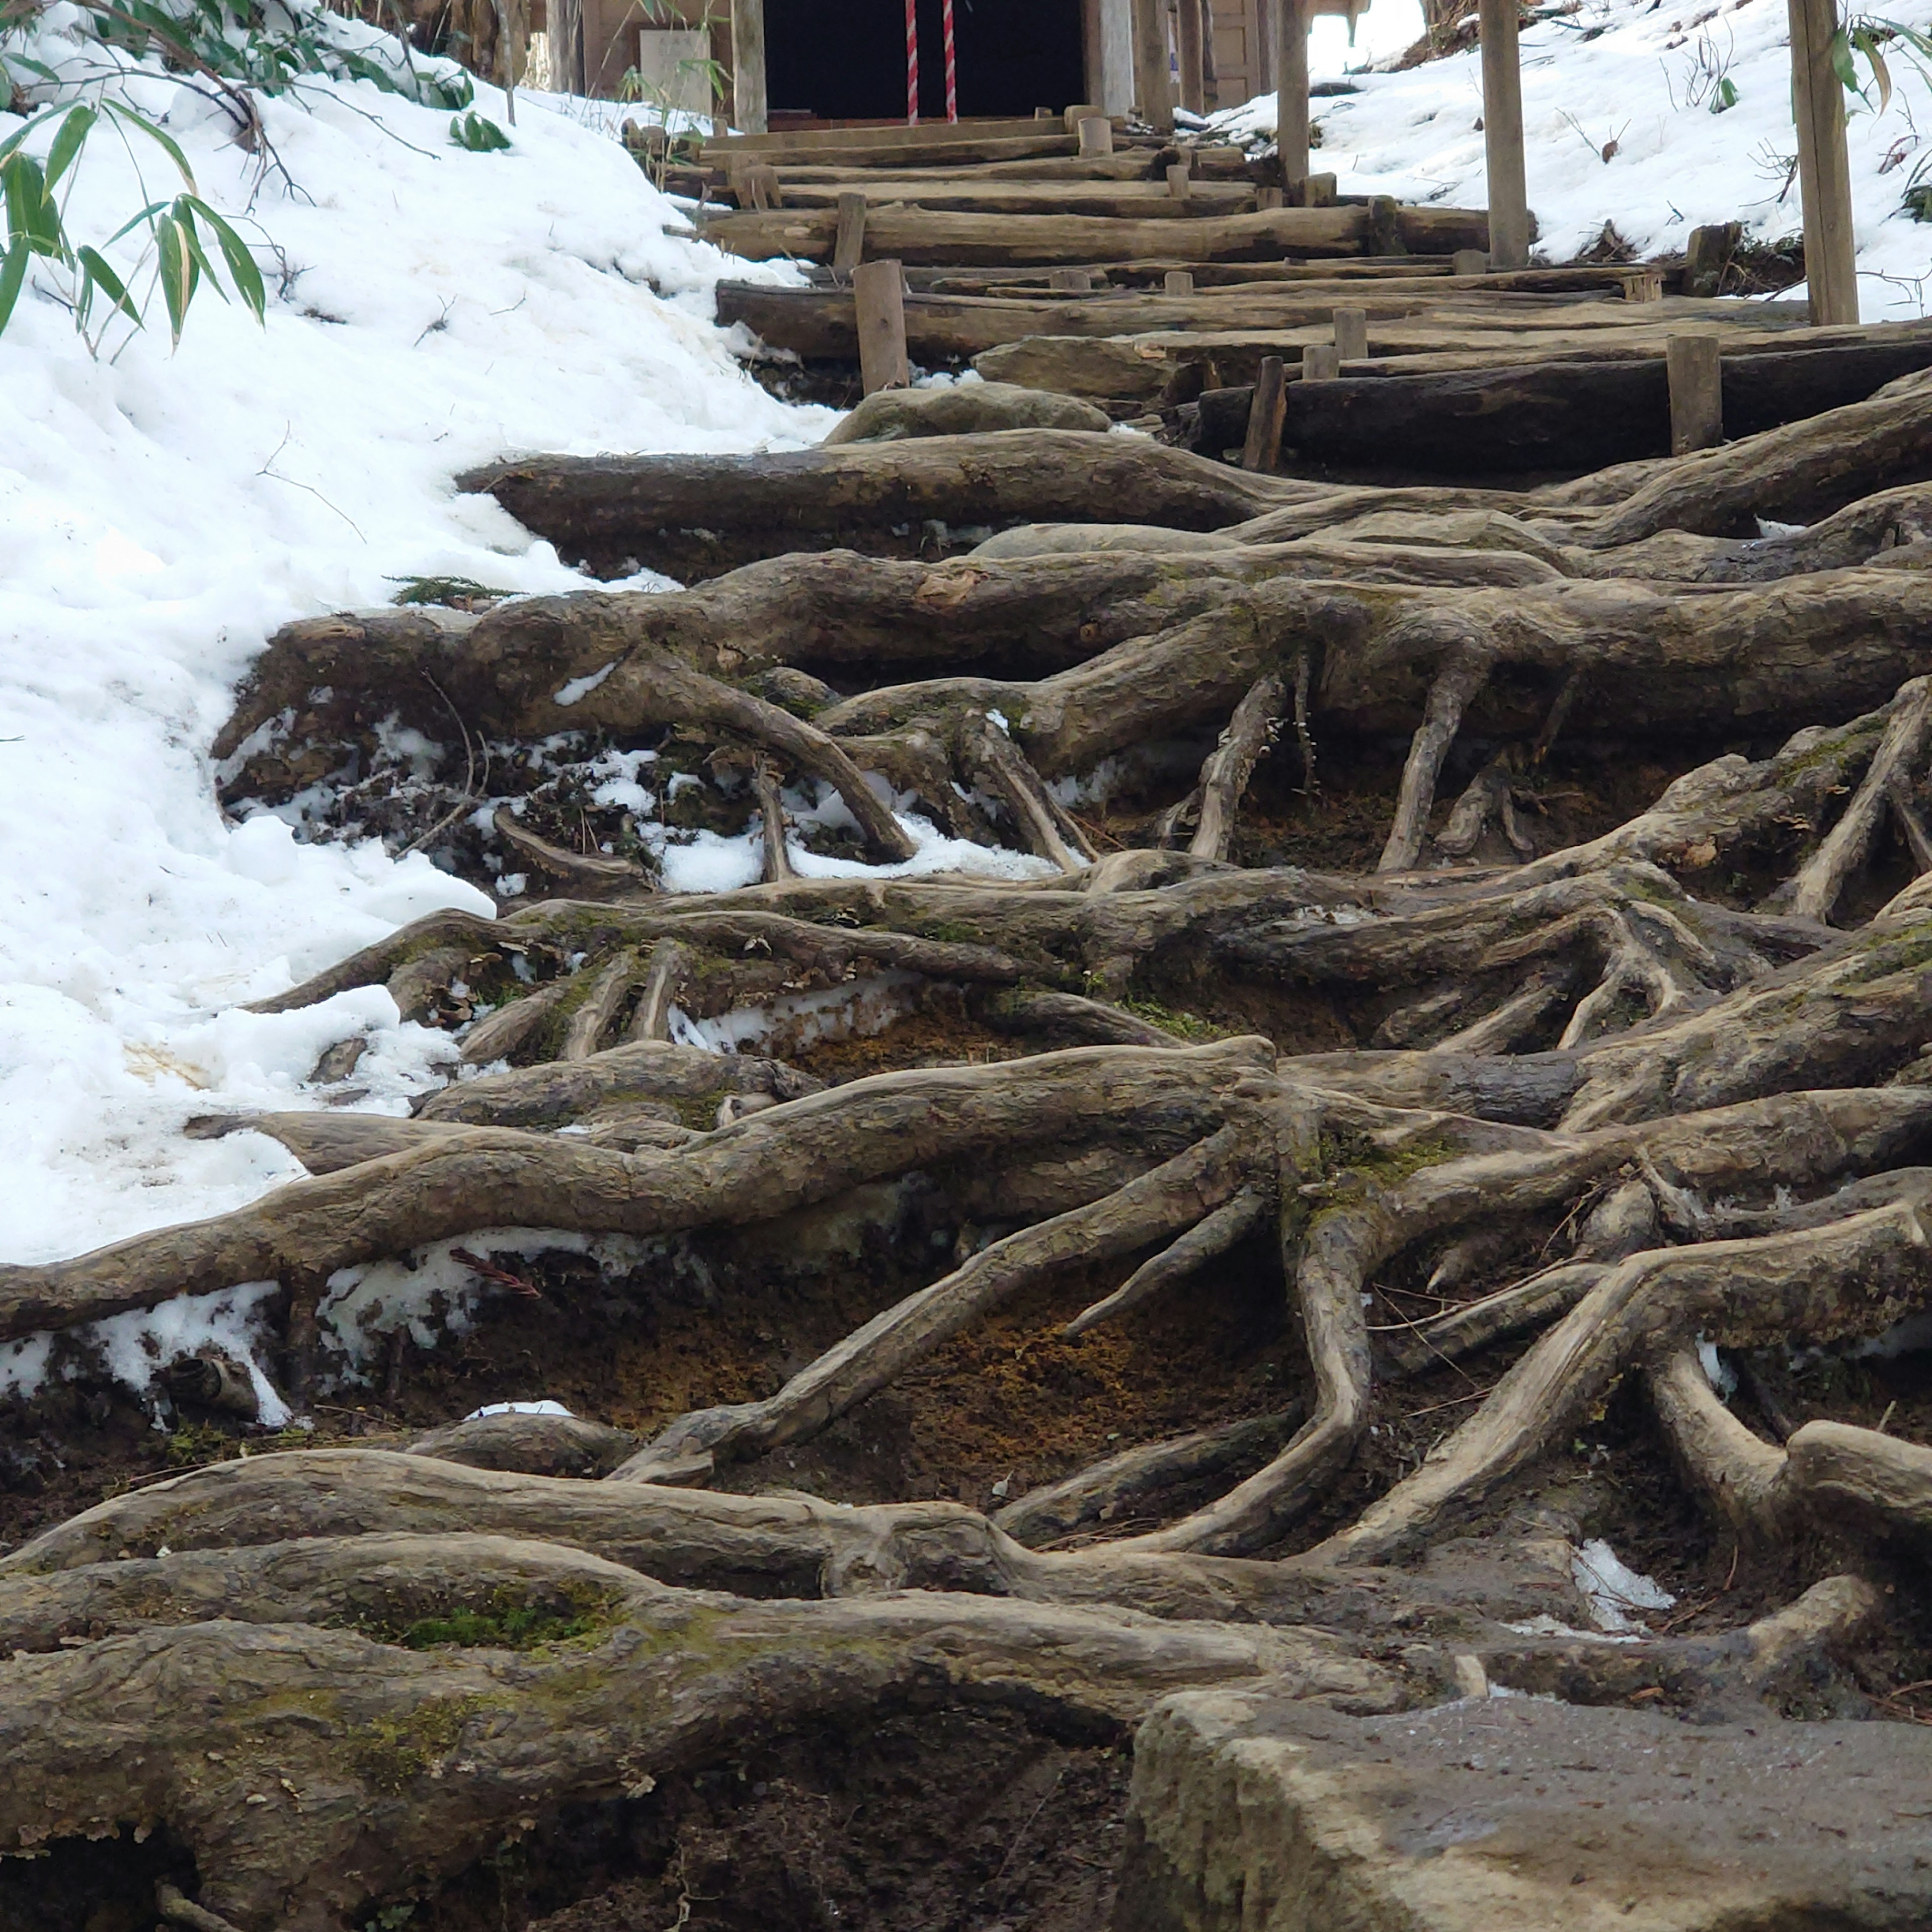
[(1717, 1371), (543, 1407)]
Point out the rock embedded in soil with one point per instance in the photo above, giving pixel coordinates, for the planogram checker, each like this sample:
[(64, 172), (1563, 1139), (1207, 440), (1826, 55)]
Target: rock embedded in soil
[(1517, 1814)]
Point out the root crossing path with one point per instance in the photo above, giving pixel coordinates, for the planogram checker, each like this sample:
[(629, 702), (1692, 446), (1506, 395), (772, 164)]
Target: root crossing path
[(1285, 1102)]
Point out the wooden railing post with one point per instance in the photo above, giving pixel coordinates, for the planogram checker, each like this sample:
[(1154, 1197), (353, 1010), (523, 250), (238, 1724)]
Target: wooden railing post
[(1502, 135), (1290, 85), (1824, 170), (747, 66), (1153, 87)]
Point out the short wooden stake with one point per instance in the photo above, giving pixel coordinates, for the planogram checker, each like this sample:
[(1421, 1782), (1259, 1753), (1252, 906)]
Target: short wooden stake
[(848, 246), (1385, 227), (761, 185), (1706, 255), (878, 290), (1070, 281), (1643, 285), (1696, 390), (1469, 262), (1096, 136), (1177, 182), (1320, 362), (1352, 334), (1267, 199), (1073, 116), (1319, 192), (1179, 282), (1045, 114), (1262, 450)]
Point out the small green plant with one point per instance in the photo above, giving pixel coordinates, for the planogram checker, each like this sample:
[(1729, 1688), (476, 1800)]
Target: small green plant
[(1724, 95), (37, 229), (480, 136)]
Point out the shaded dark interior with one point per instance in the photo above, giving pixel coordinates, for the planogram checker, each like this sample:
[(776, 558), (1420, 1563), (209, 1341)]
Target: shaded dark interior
[(845, 60)]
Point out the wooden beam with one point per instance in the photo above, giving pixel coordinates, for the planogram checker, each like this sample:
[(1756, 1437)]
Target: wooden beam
[(1193, 75), (1695, 373), (1154, 89), (747, 66), (1502, 135), (1290, 84), (1824, 170)]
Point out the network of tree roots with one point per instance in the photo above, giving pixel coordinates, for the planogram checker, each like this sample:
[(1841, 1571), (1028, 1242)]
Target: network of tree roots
[(1472, 1000)]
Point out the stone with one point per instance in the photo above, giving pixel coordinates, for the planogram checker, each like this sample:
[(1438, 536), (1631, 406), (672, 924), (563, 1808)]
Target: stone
[(1253, 1813), (964, 408)]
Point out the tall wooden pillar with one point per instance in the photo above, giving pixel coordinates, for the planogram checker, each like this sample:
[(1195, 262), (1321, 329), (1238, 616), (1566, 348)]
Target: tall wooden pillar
[(1153, 86), (1291, 87), (747, 66), (1824, 170), (1502, 135), (1111, 90), (1193, 77)]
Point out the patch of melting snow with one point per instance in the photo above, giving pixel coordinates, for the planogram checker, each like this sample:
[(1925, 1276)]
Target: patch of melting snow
[(543, 1407), (1614, 1591)]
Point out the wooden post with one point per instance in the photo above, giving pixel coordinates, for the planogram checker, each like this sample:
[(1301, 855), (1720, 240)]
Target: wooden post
[(1706, 255), (1072, 117), (1045, 114), (1096, 136), (762, 186), (1469, 262), (1193, 76), (848, 246), (1824, 170), (1318, 191), (878, 290), (1117, 56), (1267, 198), (747, 66), (1502, 135), (1290, 84), (1696, 390), (1178, 282), (1177, 181), (1070, 281), (1385, 225), (1262, 451), (1320, 362), (1352, 334), (1154, 90)]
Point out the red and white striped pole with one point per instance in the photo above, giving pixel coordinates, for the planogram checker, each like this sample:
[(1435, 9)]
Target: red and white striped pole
[(952, 68), (912, 63)]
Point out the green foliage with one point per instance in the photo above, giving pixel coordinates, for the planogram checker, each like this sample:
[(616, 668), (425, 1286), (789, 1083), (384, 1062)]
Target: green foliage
[(1182, 1025), (480, 136), (1724, 95), (502, 1621), (37, 227), (458, 592)]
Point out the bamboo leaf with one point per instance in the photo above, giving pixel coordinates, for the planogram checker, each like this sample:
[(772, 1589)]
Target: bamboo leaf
[(67, 143), (96, 271), (178, 273), (158, 135), (1842, 64), (241, 269), (13, 278)]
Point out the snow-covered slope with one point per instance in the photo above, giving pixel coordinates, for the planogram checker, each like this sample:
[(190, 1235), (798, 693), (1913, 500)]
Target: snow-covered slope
[(160, 515), (1642, 74)]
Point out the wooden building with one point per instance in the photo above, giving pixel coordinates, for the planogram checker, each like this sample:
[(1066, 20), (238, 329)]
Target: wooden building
[(845, 60)]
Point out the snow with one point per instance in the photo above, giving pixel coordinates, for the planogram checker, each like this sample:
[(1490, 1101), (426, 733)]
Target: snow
[(543, 1407), (161, 514), (1614, 1591), (1638, 73)]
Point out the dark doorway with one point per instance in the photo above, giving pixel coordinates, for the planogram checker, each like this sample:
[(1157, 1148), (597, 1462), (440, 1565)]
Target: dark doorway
[(845, 60)]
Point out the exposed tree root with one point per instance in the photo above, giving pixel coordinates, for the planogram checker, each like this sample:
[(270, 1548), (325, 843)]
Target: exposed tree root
[(1556, 1099)]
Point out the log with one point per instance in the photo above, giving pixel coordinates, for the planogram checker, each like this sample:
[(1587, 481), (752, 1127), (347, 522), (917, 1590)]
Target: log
[(1769, 385), (1547, 416), (694, 517), (816, 324), (914, 235), (1116, 200)]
